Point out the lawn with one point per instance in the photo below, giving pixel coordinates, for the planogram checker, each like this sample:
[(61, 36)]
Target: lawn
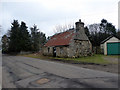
[(95, 59)]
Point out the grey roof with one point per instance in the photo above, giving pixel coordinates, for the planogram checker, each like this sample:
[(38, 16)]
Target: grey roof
[(80, 35)]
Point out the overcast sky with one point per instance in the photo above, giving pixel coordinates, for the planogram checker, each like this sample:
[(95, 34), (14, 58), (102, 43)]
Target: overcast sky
[(46, 14)]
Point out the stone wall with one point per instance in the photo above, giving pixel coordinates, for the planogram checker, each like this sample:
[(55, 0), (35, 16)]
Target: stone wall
[(79, 48), (76, 48), (47, 51), (61, 51)]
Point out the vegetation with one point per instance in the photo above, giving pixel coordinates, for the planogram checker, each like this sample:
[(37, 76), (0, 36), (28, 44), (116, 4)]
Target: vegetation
[(63, 28), (99, 32), (19, 39), (38, 39), (5, 44), (95, 59), (96, 32)]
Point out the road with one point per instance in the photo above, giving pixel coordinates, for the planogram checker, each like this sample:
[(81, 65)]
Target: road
[(24, 72)]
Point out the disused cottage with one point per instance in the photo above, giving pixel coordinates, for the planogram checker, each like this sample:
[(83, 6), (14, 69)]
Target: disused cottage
[(71, 43)]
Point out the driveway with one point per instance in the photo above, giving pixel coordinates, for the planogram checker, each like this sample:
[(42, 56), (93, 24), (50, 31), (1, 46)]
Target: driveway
[(111, 59), (24, 72)]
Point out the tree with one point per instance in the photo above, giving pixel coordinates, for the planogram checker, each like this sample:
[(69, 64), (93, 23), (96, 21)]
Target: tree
[(42, 39), (107, 28), (5, 44), (118, 34), (99, 32), (25, 43), (62, 28), (48, 38), (87, 31), (94, 34), (14, 44), (38, 38)]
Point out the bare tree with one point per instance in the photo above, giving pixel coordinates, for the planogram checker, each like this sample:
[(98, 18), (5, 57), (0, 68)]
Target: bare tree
[(62, 28), (94, 28)]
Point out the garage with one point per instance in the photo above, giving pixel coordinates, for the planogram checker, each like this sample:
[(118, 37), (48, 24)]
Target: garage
[(110, 46), (113, 48)]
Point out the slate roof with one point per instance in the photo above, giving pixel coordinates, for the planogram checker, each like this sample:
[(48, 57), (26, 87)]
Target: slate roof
[(81, 36), (63, 38)]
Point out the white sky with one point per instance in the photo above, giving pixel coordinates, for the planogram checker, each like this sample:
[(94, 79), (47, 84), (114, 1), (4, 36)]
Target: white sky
[(46, 14)]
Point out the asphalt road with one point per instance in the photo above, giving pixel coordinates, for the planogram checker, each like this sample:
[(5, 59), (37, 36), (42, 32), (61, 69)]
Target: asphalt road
[(24, 72)]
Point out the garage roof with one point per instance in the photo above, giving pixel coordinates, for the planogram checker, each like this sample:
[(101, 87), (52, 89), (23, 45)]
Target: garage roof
[(109, 38)]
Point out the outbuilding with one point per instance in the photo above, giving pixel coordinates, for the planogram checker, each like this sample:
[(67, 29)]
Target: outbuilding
[(71, 43), (111, 46)]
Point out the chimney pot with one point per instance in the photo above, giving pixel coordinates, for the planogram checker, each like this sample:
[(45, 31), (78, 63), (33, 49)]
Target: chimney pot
[(79, 24), (79, 20)]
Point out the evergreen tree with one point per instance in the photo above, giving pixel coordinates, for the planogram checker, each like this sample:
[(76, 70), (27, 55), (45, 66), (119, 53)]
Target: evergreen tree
[(5, 44), (118, 34), (107, 27), (35, 38), (25, 43), (14, 44), (42, 39), (38, 38)]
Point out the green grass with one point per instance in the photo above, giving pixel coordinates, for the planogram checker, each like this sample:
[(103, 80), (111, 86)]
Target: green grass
[(95, 59)]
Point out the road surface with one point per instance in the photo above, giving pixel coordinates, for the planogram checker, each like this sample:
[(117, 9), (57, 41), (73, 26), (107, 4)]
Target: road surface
[(24, 72)]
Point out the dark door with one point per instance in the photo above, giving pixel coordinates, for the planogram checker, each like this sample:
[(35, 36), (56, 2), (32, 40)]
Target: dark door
[(54, 51)]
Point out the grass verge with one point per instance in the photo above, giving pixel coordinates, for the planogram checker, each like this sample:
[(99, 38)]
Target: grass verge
[(95, 59)]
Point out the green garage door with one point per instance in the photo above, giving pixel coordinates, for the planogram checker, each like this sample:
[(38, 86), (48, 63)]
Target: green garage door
[(113, 48)]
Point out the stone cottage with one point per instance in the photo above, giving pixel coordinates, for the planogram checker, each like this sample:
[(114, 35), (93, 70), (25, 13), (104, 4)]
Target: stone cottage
[(71, 43)]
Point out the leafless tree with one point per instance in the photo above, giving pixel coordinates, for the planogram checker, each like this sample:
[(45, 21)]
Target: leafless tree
[(62, 28), (94, 28)]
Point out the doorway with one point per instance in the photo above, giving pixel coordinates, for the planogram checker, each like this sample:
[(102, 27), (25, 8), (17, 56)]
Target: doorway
[(54, 51)]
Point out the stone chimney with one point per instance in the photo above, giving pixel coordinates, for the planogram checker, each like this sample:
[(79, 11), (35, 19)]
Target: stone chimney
[(80, 31), (79, 25)]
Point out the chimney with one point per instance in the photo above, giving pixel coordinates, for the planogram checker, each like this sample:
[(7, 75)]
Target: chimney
[(80, 33), (79, 25)]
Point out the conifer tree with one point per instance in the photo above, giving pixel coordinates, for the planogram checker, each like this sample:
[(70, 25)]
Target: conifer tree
[(14, 44)]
